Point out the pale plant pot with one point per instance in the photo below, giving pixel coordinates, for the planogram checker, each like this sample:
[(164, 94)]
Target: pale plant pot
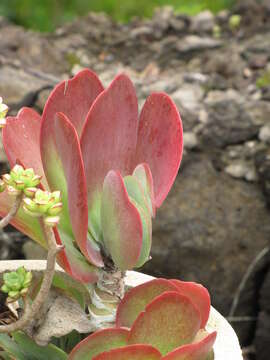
[(226, 347)]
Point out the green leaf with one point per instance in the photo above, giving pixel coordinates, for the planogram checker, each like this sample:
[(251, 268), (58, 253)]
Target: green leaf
[(35, 352)]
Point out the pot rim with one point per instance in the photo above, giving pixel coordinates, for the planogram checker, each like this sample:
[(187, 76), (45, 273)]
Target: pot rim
[(226, 345)]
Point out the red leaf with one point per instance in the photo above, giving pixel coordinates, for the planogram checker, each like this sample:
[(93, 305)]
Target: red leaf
[(121, 223), (131, 352), (99, 342), (21, 140), (170, 320), (160, 142), (74, 98), (198, 294), (136, 299), (108, 140), (196, 351), (69, 152)]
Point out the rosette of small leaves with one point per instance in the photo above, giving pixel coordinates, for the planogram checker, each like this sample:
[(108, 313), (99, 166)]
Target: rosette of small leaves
[(20, 179), (16, 283), (46, 204), (3, 113)]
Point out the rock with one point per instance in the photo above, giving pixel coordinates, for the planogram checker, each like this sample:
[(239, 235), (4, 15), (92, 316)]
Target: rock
[(264, 134), (204, 231), (215, 96), (262, 162), (190, 141), (189, 97), (241, 170), (192, 43), (228, 124), (203, 22)]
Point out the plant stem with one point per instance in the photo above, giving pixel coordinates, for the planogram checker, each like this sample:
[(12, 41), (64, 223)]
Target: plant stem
[(12, 212), (32, 310), (105, 297)]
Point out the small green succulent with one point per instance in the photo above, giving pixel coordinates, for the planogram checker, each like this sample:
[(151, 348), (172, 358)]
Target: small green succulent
[(44, 203), (16, 283), (20, 179)]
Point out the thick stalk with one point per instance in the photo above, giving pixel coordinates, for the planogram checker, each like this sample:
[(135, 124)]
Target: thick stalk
[(32, 310), (105, 296)]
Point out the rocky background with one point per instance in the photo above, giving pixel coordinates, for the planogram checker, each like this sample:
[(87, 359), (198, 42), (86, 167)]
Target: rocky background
[(214, 227)]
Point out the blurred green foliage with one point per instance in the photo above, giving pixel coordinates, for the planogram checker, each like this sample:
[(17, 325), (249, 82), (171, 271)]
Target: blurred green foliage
[(46, 15)]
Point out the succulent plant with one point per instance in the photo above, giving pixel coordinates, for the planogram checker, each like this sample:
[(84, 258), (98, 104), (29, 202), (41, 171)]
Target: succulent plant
[(16, 283), (21, 180), (161, 319), (113, 168), (45, 204)]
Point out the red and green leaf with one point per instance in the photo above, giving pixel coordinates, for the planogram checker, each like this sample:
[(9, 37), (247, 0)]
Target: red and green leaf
[(160, 142), (143, 173), (138, 198), (21, 140), (108, 141), (121, 223), (68, 148), (169, 321), (97, 343), (131, 352), (198, 294), (201, 350), (74, 97), (136, 300)]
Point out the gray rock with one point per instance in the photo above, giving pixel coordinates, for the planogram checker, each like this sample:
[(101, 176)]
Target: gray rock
[(205, 232), (241, 170), (189, 97), (190, 141), (228, 124), (196, 43), (203, 22), (264, 134)]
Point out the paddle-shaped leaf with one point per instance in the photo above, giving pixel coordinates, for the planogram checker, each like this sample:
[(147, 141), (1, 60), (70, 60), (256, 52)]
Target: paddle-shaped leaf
[(169, 321), (97, 343), (21, 141), (143, 173), (69, 153), (201, 350), (131, 352), (198, 294), (121, 223), (108, 141), (138, 198), (74, 98), (160, 142), (136, 299)]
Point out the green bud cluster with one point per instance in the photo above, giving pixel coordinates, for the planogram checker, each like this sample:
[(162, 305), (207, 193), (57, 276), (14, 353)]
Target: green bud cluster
[(46, 204), (16, 283), (20, 179), (3, 113)]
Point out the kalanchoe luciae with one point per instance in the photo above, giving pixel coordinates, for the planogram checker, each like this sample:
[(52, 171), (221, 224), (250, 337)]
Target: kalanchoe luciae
[(16, 283), (113, 167), (161, 319)]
